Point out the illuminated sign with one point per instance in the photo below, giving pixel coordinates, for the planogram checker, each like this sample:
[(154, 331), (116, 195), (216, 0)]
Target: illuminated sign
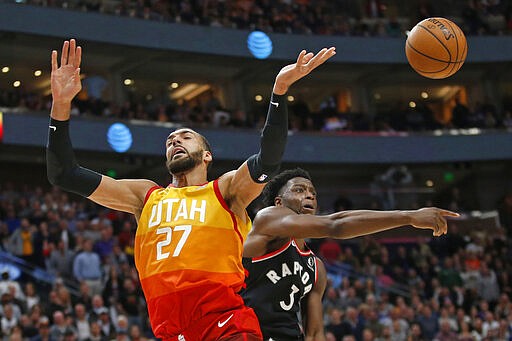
[(119, 137)]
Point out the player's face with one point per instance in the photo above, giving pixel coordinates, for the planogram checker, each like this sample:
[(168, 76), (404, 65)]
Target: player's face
[(300, 196), (184, 151)]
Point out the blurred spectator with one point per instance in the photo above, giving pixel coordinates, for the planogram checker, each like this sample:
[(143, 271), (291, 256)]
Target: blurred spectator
[(460, 114), (21, 242), (98, 307), (336, 325), (330, 250), (488, 288), (97, 333), (106, 326), (445, 333), (130, 299), (43, 327), (135, 334), (81, 323), (59, 326), (449, 276), (31, 296), (490, 327), (8, 320), (9, 286), (87, 268), (105, 245), (428, 322), (84, 296), (94, 86), (507, 119), (60, 262), (505, 213)]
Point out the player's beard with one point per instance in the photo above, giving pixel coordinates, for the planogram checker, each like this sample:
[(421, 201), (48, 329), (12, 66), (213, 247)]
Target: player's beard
[(184, 164)]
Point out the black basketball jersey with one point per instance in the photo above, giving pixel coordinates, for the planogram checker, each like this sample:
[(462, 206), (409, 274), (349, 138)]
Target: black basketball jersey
[(275, 285)]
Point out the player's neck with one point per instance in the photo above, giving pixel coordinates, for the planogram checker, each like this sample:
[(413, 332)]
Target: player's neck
[(300, 243), (194, 177)]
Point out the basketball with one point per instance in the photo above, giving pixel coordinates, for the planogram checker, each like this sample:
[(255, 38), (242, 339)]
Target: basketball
[(436, 48)]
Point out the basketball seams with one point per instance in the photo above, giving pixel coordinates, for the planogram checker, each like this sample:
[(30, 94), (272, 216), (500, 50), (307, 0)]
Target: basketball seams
[(440, 42), (446, 66), (426, 55), (443, 45), (423, 52), (452, 71)]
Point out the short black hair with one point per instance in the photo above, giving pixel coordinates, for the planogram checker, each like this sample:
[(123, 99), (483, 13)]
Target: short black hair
[(274, 186), (206, 144)]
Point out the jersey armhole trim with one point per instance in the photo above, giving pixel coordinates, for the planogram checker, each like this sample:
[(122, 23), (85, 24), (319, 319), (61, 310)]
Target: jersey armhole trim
[(272, 254), (316, 269), (149, 193), (302, 253)]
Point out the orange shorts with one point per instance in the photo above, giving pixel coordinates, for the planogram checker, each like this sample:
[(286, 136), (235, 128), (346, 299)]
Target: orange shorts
[(240, 324)]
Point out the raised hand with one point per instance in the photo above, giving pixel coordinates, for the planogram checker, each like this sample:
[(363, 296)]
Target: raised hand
[(65, 80), (306, 62), (432, 218)]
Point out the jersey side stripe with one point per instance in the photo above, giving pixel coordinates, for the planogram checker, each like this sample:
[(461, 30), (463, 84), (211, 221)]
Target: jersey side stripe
[(226, 207)]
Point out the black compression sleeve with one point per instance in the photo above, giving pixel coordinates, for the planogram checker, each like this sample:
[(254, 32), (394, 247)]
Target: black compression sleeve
[(267, 162), (61, 165)]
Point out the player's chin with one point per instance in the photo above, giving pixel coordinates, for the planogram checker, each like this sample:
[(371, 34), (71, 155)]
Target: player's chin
[(308, 210)]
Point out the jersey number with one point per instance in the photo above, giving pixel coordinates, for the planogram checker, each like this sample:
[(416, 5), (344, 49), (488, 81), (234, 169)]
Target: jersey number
[(168, 237), (292, 299)]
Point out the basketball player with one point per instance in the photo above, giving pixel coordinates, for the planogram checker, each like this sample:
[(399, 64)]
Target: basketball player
[(285, 279), (190, 235)]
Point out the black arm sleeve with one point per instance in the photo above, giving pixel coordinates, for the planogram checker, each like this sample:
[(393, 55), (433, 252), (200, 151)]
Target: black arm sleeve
[(62, 168), (267, 162)]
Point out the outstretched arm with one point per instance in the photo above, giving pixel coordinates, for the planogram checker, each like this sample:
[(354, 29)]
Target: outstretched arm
[(62, 167), (315, 312), (282, 222), (242, 186)]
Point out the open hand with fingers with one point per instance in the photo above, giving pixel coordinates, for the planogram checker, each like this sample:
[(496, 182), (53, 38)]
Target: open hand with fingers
[(306, 62), (65, 80), (431, 218)]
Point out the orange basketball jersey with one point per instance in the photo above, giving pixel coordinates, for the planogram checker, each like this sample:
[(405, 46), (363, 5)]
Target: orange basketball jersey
[(188, 252)]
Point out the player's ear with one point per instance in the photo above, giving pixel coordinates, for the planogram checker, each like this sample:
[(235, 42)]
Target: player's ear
[(278, 201), (207, 156)]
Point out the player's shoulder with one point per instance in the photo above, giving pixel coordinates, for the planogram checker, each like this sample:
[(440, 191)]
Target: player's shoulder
[(271, 212), (224, 181)]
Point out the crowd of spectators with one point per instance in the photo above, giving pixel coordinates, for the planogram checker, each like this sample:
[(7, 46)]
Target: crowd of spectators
[(353, 17), (456, 287), (207, 111), (95, 292), (320, 17)]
